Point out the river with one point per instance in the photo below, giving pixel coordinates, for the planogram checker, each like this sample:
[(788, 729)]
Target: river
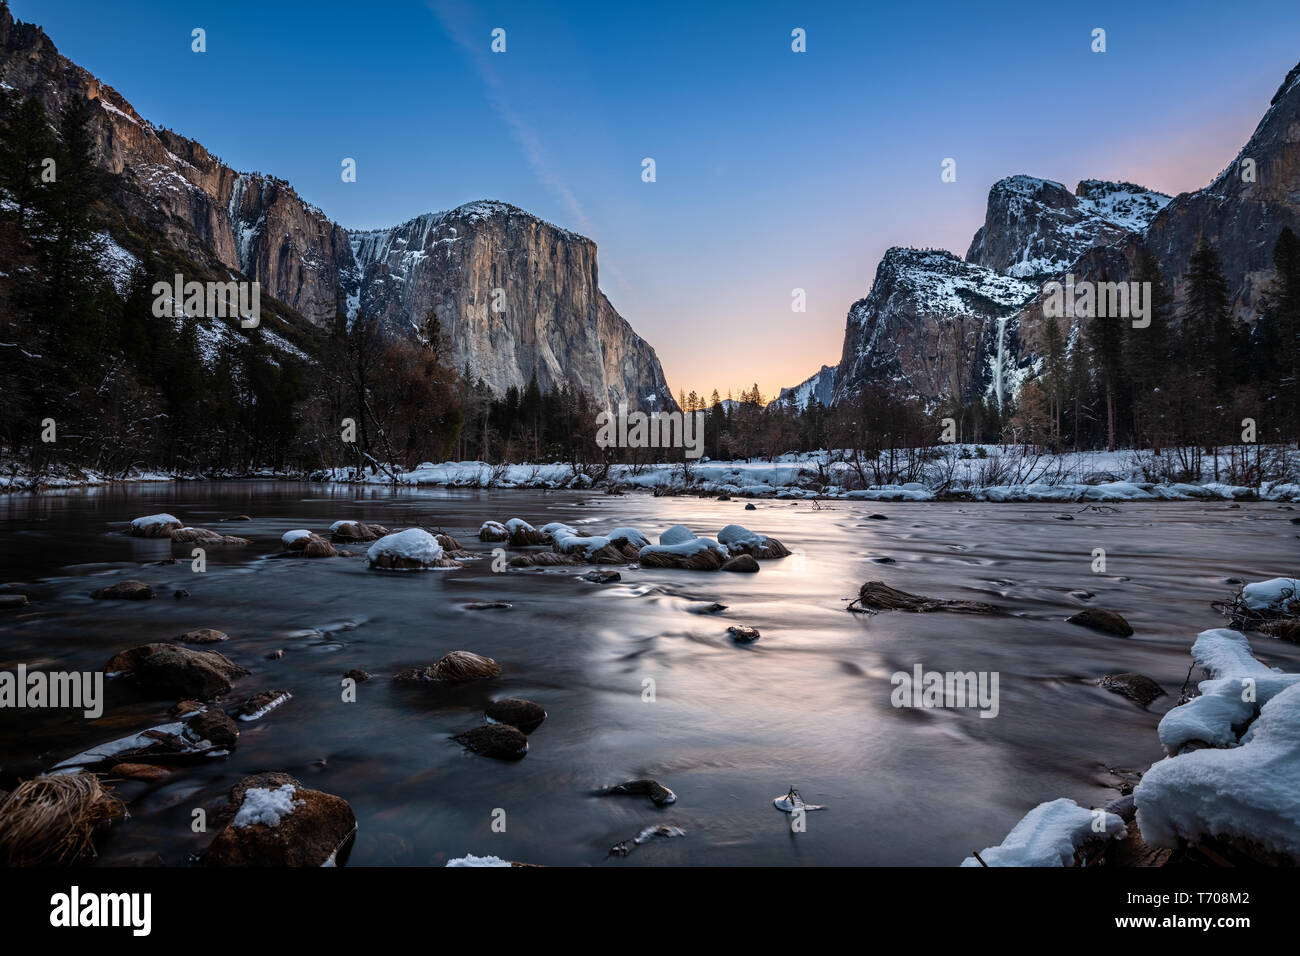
[(729, 726)]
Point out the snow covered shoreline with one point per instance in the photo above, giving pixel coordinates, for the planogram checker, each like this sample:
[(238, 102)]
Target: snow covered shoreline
[(958, 473), (1229, 780)]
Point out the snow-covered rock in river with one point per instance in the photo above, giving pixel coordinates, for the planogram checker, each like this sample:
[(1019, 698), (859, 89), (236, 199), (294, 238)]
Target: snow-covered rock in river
[(1050, 834), (154, 526), (411, 550), (1245, 787), (276, 821)]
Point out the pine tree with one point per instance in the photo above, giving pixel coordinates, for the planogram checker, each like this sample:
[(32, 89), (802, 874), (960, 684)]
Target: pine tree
[(1146, 350), (1054, 374), (1105, 350), (1207, 320)]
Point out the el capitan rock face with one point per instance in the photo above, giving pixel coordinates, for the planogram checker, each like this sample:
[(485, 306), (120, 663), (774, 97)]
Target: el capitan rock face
[(556, 322), (552, 318)]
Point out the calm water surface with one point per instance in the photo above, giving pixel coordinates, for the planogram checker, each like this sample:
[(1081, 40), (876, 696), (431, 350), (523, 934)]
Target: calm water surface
[(730, 726)]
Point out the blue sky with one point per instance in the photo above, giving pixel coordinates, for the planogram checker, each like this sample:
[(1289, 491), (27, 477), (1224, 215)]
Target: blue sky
[(775, 170)]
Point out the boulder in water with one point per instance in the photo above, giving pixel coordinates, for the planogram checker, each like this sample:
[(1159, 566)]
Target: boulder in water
[(500, 741), (1100, 619), (154, 526), (411, 550), (521, 714), (1138, 688), (170, 670), (125, 591), (656, 791), (278, 822)]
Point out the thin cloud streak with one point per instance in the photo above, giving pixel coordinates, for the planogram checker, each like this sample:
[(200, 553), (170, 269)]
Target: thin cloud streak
[(452, 16)]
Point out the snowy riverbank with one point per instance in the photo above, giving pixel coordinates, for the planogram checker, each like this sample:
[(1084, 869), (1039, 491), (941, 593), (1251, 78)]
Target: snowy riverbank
[(980, 473), (959, 472)]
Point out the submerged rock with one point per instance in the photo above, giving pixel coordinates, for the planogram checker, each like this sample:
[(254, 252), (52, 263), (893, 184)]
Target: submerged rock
[(679, 548), (879, 596), (308, 544), (261, 704), (625, 847), (125, 591), (524, 535), (544, 559), (8, 601), (751, 507), (656, 791), (741, 562), (713, 607), (278, 822), (521, 714), (351, 532), (602, 577), (358, 675), (455, 666), (743, 633), (791, 802), (740, 540), (139, 771), (500, 741), (1100, 619), (203, 635), (488, 606), (201, 734), (1136, 687), (210, 539), (170, 670)]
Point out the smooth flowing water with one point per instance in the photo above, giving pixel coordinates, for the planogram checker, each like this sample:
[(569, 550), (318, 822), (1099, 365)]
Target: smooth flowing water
[(729, 726)]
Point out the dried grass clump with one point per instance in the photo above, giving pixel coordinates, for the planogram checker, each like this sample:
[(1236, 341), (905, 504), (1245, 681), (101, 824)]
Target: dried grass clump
[(1283, 623), (51, 821), (879, 596), (464, 665)]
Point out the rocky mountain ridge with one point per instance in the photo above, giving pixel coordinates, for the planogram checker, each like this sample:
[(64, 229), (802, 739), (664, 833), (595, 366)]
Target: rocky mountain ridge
[(929, 327), (557, 324)]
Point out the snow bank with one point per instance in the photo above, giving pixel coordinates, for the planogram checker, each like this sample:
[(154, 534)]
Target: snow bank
[(471, 860), (1049, 834), (1275, 594), (1238, 686), (1250, 792)]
